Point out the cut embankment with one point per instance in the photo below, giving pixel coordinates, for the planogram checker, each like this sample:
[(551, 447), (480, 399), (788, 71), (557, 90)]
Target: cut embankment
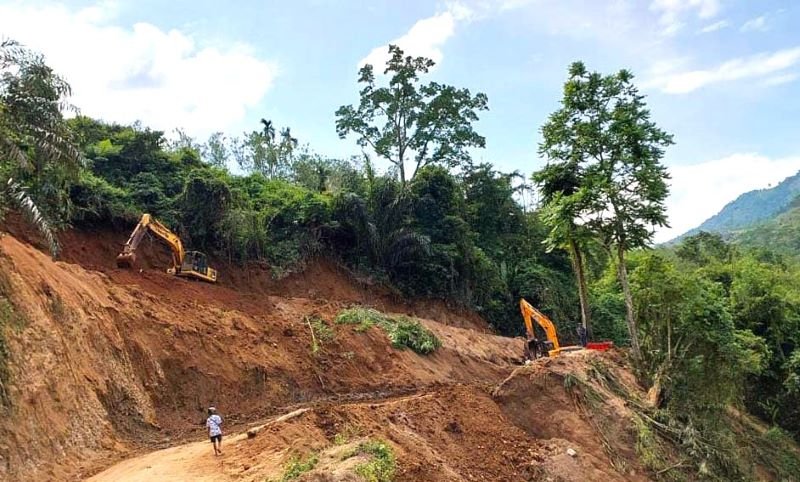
[(100, 364)]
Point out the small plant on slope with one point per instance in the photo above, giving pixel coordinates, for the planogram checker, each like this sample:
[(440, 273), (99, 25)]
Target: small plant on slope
[(403, 332), (410, 333), (363, 318), (382, 466), (321, 333), (297, 467)]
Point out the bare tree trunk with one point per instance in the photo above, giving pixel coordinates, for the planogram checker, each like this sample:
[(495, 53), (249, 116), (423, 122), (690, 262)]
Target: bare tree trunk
[(622, 272), (583, 291)]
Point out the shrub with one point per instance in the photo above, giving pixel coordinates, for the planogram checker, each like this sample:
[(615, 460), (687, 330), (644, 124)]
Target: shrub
[(410, 333), (364, 318), (382, 466), (94, 200), (402, 331), (321, 332), (297, 467)]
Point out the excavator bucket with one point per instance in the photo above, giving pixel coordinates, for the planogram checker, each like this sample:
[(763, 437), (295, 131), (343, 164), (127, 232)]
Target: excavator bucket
[(126, 260)]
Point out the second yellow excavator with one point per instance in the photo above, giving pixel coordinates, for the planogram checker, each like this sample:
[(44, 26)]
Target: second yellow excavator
[(535, 348), (189, 264)]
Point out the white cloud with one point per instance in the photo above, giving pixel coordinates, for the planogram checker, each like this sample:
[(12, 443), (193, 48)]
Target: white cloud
[(758, 24), (701, 190), (425, 38), (756, 66), (124, 74), (781, 79), (715, 26), (672, 11)]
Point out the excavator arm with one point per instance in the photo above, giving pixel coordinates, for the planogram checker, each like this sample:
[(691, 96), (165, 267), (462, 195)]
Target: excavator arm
[(190, 264), (128, 255), (530, 313)]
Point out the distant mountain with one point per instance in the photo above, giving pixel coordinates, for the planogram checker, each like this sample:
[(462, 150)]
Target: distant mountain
[(780, 234), (750, 208)]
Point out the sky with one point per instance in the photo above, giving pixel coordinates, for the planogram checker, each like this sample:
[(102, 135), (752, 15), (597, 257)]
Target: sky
[(723, 76)]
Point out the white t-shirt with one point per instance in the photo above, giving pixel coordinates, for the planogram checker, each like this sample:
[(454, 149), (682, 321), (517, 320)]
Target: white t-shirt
[(213, 422)]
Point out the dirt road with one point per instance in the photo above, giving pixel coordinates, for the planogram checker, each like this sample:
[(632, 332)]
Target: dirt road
[(194, 461)]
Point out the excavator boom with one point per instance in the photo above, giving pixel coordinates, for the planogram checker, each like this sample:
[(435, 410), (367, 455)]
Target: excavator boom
[(189, 264)]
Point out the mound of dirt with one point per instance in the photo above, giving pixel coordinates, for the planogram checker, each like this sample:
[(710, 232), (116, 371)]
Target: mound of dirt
[(555, 400)]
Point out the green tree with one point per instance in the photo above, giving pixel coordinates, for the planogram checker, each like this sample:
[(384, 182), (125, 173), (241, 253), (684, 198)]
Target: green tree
[(203, 203), (491, 210), (35, 142), (603, 128), (704, 248), (260, 151), (407, 121), (691, 348), (322, 174), (216, 151), (376, 230), (559, 183)]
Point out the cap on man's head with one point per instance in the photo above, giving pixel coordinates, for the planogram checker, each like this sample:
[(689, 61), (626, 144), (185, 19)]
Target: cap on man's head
[(212, 409)]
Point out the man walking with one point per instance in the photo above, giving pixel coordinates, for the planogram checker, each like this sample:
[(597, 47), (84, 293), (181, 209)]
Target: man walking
[(213, 423)]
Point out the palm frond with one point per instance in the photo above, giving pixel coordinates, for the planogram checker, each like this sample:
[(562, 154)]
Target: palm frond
[(11, 151), (402, 244), (55, 146), (31, 211)]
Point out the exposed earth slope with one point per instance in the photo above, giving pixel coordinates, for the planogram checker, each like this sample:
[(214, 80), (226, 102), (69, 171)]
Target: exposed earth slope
[(109, 372)]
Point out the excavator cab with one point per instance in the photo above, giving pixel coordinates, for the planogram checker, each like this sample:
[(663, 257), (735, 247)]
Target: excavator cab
[(195, 265)]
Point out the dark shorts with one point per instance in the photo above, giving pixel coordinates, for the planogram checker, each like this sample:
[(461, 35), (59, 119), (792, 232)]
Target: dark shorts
[(216, 438)]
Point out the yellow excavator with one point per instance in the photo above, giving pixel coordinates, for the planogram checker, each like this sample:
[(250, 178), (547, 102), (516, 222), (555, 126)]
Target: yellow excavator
[(189, 264), (535, 348)]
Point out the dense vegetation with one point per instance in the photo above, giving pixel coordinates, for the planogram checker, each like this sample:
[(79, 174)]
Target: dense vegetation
[(710, 324)]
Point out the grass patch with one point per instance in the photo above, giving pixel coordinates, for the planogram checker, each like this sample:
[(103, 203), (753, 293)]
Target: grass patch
[(582, 391), (347, 433), (297, 467), (340, 439), (403, 332), (648, 447), (362, 318), (382, 465)]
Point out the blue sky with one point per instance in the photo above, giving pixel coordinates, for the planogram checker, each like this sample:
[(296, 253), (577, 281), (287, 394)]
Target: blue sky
[(721, 75)]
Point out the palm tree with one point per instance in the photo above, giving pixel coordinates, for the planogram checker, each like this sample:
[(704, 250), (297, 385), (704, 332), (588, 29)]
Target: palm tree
[(379, 227), (268, 131), (34, 139)]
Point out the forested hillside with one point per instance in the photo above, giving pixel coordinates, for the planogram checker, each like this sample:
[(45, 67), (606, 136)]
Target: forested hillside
[(780, 234), (751, 208), (707, 326)]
